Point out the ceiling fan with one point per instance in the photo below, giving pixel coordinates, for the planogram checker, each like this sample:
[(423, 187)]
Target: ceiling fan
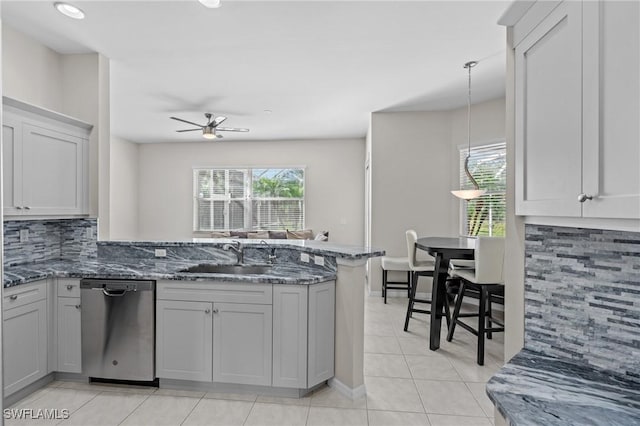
[(209, 130)]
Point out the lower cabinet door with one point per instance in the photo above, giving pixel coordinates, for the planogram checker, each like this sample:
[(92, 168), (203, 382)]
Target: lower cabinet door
[(242, 343), (184, 340), (321, 332), (290, 336), (69, 335), (24, 345)]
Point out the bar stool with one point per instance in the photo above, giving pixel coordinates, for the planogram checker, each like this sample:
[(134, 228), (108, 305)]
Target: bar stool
[(486, 280), (389, 263), (423, 268)]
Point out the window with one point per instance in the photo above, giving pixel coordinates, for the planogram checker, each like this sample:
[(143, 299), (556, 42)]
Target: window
[(485, 215), (260, 199)]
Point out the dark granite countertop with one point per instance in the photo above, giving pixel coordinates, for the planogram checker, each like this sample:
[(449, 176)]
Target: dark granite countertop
[(281, 273), (533, 389)]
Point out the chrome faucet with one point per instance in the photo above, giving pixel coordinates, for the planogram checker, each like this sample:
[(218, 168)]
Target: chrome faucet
[(237, 248), (272, 253)]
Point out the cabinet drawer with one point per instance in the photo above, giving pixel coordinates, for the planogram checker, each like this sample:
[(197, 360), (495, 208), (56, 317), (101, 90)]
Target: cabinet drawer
[(22, 294), (215, 291), (68, 287)]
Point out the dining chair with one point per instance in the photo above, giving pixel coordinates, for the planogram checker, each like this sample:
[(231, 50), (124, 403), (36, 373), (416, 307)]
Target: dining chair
[(397, 264), (486, 280), (418, 268)]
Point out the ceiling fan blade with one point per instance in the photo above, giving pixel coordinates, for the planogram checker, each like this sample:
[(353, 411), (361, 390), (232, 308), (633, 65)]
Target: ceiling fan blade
[(189, 130), (231, 129), (219, 119), (185, 121)]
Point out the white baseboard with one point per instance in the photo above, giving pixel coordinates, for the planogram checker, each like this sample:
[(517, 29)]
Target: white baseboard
[(345, 390)]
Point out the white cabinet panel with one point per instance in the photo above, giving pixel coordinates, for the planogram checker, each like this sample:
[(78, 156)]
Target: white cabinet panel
[(576, 111), (321, 332), (290, 336), (24, 345), (611, 150), (242, 343), (184, 340), (52, 174), (69, 335), (45, 163), (11, 165), (549, 115)]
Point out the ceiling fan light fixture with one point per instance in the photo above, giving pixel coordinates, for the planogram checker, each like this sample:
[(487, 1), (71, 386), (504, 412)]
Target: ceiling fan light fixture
[(69, 10), (211, 4), (208, 133)]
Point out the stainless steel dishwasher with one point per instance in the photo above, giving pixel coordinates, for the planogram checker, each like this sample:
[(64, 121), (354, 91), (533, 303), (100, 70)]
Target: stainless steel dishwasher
[(118, 329)]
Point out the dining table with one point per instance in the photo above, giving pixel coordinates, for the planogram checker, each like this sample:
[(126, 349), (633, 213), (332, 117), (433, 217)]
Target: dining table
[(443, 249)]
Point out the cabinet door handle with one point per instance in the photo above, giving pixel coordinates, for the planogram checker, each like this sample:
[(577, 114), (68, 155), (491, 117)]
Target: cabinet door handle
[(27, 208), (584, 197), (69, 287), (18, 208), (215, 311), (78, 306), (207, 311), (13, 297)]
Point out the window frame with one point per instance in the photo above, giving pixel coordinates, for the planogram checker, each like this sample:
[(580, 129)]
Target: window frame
[(248, 199), (463, 219)]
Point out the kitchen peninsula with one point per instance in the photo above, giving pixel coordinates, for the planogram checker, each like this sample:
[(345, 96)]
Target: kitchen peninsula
[(339, 268)]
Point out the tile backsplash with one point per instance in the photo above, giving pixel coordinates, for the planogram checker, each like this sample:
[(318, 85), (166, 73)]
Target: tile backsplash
[(49, 239), (582, 296)]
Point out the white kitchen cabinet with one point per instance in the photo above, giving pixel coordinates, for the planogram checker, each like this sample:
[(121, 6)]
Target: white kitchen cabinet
[(45, 163), (577, 108), (321, 332), (24, 335), (290, 308), (69, 335), (242, 342), (303, 334), (184, 339)]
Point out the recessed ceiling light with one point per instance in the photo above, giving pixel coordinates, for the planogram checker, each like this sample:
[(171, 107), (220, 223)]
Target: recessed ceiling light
[(267, 111), (69, 10), (210, 3)]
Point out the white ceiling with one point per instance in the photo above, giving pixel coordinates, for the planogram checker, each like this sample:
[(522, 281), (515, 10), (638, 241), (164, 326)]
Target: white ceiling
[(321, 66)]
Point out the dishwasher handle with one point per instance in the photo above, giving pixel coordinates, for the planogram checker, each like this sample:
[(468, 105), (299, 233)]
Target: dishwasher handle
[(114, 293)]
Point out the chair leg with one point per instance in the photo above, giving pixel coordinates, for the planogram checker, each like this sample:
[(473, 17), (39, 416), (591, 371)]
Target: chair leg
[(481, 324), (408, 283), (447, 312), (489, 313), (456, 311), (412, 296), (384, 285)]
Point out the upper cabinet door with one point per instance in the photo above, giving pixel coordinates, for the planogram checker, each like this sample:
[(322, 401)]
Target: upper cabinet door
[(52, 171), (611, 143), (12, 164), (548, 91)]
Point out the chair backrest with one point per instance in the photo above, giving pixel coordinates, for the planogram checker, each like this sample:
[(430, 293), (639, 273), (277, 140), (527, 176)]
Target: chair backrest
[(489, 260), (412, 237)]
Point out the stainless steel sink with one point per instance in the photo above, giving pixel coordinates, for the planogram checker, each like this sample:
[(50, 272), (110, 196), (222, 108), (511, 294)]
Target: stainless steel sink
[(207, 268)]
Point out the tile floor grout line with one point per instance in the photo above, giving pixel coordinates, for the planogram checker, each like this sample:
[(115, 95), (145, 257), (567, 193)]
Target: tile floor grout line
[(194, 407), (77, 409), (137, 406)]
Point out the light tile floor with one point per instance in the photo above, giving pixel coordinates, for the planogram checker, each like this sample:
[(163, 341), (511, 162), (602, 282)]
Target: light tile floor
[(407, 384)]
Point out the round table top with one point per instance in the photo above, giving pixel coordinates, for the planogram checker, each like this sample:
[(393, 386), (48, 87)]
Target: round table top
[(446, 243)]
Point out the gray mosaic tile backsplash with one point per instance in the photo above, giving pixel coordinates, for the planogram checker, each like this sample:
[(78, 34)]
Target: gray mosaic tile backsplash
[(49, 239), (582, 296)]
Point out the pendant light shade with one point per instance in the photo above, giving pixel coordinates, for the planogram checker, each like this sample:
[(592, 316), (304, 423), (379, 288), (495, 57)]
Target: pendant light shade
[(469, 194)]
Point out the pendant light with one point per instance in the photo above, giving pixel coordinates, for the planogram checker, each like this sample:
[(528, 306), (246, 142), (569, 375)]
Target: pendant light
[(469, 194)]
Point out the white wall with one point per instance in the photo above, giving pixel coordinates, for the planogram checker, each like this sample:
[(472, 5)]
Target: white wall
[(31, 72), (123, 189), (334, 182)]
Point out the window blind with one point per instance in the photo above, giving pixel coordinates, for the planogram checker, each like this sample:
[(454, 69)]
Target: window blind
[(485, 215), (250, 199)]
